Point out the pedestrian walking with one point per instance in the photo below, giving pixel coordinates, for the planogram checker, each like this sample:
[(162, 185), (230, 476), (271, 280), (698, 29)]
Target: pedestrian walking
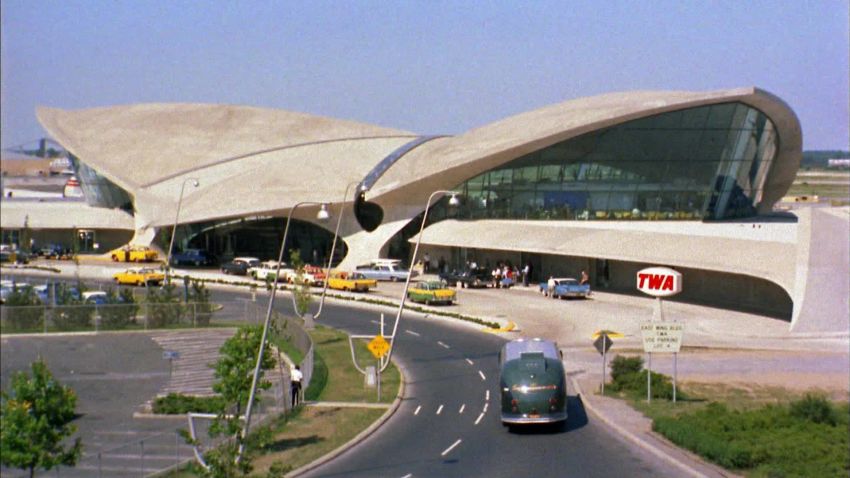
[(295, 385)]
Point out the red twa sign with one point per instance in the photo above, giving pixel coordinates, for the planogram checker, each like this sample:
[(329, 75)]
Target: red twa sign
[(659, 281)]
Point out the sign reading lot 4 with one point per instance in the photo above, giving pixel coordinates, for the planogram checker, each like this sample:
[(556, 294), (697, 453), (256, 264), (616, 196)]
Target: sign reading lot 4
[(660, 337), (659, 281)]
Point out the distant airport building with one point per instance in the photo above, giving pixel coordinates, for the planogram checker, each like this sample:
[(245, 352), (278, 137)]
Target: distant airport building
[(608, 184), (838, 163)]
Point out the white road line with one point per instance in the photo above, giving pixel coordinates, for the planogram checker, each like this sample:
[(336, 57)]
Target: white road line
[(482, 375), (439, 409), (416, 412), (479, 418), (375, 322), (411, 333), (443, 345), (485, 407), (462, 407), (487, 396), (470, 362), (447, 450), (407, 475)]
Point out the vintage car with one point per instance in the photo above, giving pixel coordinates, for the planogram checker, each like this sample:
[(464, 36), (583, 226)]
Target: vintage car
[(310, 275), (469, 278), (239, 265), (565, 287), (133, 254), (532, 382), (351, 281), (97, 297), (139, 276), (432, 292), (192, 257), (391, 271), (266, 270)]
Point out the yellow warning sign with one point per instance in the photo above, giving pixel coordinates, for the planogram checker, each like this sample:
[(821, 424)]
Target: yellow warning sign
[(610, 333), (378, 346)]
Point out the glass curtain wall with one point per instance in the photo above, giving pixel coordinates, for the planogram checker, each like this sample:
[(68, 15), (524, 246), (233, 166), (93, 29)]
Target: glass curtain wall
[(99, 191), (701, 163)]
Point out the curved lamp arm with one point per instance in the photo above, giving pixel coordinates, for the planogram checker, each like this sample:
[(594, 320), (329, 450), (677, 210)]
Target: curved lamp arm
[(195, 183)]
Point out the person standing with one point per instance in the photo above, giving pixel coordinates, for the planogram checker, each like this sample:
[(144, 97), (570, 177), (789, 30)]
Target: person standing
[(427, 262), (584, 278), (526, 271), (295, 385)]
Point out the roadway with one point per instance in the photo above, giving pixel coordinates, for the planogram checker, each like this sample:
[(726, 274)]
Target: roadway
[(447, 424)]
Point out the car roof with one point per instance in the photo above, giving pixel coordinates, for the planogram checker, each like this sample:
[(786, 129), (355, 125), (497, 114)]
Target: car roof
[(514, 349)]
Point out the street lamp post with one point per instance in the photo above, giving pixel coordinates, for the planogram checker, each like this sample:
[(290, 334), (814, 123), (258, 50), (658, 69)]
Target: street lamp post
[(452, 202), (195, 183), (322, 215)]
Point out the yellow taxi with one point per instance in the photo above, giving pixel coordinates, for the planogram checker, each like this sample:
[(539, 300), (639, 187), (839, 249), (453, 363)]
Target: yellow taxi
[(432, 292), (142, 276), (133, 254), (351, 281)]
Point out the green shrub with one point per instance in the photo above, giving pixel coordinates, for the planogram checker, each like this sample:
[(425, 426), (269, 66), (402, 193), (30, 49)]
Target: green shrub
[(816, 409), (23, 310), (119, 311), (623, 366), (177, 404), (164, 307), (71, 313), (202, 308)]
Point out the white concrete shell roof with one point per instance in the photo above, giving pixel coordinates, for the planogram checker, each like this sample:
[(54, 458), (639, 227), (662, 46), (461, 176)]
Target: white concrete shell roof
[(253, 161), (446, 162)]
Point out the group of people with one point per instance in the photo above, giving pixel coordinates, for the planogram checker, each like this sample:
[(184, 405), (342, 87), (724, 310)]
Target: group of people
[(505, 275)]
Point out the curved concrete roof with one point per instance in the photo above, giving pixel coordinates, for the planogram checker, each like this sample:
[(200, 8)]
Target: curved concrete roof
[(445, 162), (262, 161)]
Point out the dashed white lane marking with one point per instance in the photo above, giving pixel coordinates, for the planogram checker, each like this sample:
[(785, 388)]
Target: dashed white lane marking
[(447, 450), (439, 410), (411, 333), (375, 322), (470, 362), (479, 418), (485, 407), (462, 407), (416, 412), (443, 345), (407, 475), (487, 396), (482, 375)]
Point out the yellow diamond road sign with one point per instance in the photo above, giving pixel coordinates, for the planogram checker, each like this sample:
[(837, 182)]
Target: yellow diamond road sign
[(379, 346)]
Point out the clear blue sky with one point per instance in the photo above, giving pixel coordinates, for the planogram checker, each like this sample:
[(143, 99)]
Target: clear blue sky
[(425, 66)]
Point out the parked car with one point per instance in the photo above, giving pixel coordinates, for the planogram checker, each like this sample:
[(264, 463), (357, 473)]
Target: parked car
[(391, 271), (565, 287), (192, 257), (351, 281), (533, 383), (144, 276), (51, 251), (266, 270), (239, 266), (317, 273), (97, 297), (17, 256), (469, 278), (133, 254), (432, 292)]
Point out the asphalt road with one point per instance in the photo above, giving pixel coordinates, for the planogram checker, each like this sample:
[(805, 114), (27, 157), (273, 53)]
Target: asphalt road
[(447, 425)]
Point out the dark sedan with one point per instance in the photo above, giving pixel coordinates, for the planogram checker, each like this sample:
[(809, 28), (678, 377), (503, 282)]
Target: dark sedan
[(240, 265), (468, 278)]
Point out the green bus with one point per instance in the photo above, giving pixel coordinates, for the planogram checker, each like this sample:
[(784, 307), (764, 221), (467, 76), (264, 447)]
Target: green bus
[(532, 382)]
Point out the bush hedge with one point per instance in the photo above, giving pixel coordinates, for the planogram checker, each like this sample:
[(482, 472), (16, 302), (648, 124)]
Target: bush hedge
[(629, 376), (177, 404)]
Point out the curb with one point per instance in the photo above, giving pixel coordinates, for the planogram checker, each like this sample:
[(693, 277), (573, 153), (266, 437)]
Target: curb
[(359, 437), (634, 438)]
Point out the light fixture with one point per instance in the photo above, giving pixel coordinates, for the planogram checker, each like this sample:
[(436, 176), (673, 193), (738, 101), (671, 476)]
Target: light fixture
[(454, 201), (323, 214)]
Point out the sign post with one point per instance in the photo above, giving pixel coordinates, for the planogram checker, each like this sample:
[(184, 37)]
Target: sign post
[(379, 347), (659, 336), (603, 343)]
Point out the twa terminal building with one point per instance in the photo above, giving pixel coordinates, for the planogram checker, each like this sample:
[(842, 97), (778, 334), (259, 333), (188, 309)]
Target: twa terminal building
[(609, 184)]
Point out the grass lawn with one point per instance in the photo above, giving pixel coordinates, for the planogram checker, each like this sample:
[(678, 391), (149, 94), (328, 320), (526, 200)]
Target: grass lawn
[(757, 431)]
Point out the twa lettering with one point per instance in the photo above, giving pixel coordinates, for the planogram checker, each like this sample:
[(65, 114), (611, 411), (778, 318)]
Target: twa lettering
[(655, 281)]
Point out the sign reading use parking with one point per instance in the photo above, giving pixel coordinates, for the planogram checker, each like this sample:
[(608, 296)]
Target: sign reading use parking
[(662, 337)]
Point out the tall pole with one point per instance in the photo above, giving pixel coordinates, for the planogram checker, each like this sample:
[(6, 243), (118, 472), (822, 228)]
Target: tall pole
[(410, 272), (249, 408), (333, 249), (174, 229)]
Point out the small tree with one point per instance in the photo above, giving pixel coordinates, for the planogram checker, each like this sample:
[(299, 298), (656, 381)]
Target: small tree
[(24, 311), (234, 372), (164, 306), (302, 294), (71, 312), (120, 309), (35, 417), (199, 296)]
